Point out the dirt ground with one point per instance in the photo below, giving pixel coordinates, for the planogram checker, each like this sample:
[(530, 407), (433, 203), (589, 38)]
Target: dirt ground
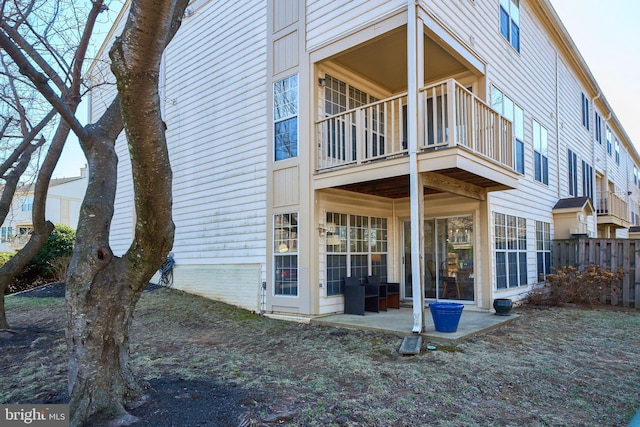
[(210, 364)]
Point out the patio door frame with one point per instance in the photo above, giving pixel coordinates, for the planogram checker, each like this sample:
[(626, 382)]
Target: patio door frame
[(460, 288)]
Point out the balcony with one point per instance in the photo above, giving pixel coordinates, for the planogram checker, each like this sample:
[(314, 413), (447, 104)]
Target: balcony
[(612, 209), (477, 148)]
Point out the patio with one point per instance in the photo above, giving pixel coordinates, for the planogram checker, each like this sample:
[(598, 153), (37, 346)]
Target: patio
[(473, 322)]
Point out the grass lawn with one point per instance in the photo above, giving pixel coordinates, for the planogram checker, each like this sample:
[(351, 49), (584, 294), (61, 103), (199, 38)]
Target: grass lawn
[(551, 367)]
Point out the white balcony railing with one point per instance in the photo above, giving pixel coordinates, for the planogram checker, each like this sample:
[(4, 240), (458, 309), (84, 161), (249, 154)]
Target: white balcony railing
[(379, 130)]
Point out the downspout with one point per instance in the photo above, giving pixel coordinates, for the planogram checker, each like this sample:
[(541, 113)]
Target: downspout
[(415, 187), (558, 121)]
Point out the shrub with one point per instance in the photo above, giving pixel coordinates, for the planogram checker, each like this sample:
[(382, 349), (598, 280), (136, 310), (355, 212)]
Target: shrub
[(59, 267), (570, 285), (4, 257), (58, 245), (50, 264)]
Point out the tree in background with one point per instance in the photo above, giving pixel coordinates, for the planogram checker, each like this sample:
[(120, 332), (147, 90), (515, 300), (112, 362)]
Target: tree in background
[(22, 125), (103, 289)]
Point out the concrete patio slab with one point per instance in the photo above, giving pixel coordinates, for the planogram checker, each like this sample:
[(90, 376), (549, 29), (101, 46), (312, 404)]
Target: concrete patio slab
[(400, 322)]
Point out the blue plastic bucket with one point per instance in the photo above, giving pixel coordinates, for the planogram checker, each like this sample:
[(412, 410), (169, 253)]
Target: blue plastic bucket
[(446, 315)]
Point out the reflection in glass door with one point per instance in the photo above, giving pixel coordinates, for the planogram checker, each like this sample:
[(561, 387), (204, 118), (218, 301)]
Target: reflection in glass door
[(406, 257), (448, 254)]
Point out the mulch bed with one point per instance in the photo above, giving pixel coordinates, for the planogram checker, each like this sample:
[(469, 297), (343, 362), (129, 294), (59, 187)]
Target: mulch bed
[(56, 290)]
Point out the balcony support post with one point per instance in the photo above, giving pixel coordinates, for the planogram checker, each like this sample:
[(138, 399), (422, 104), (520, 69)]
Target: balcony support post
[(415, 79), (450, 130)]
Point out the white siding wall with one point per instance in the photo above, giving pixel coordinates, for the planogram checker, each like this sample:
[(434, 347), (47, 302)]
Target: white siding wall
[(215, 112), (213, 88), (53, 207), (64, 201)]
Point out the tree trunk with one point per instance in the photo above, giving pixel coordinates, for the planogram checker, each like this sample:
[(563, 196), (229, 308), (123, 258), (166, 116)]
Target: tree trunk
[(4, 324), (102, 290)]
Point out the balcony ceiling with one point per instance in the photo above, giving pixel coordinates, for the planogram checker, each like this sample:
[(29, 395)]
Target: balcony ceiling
[(384, 61), (398, 187)]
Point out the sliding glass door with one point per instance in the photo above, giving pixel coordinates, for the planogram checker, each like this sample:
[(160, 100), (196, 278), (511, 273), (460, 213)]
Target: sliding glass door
[(448, 255)]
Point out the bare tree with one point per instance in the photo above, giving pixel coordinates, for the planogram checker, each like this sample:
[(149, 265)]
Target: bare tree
[(102, 289), (35, 31), (19, 110)]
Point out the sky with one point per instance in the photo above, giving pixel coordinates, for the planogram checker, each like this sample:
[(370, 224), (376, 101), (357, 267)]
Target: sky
[(607, 34), (72, 158)]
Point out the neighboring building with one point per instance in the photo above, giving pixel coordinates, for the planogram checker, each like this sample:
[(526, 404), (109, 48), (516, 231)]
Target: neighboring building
[(428, 140), (63, 207)]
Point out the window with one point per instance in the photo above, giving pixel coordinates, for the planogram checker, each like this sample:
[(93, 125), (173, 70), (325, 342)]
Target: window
[(585, 111), (511, 251), (285, 116), (540, 147), (5, 234), (285, 249), (634, 214), (573, 173), (506, 107), (598, 128), (510, 22), (617, 145), (339, 97), (356, 247), (336, 240), (543, 249), (609, 144), (635, 174), (27, 204), (587, 180), (335, 96)]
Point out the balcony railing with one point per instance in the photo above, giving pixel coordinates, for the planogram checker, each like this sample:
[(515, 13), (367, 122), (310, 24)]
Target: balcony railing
[(379, 130), (609, 203)]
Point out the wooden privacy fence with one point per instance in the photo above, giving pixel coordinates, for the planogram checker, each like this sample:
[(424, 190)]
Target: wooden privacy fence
[(612, 254)]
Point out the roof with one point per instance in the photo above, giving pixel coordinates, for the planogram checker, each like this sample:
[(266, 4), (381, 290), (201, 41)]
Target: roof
[(573, 204), (60, 181), (25, 188)]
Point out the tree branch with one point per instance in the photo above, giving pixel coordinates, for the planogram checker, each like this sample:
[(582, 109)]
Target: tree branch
[(81, 52), (26, 141), (35, 56), (40, 81)]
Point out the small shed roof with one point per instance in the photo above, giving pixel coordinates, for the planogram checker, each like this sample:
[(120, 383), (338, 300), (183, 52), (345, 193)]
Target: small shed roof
[(574, 204)]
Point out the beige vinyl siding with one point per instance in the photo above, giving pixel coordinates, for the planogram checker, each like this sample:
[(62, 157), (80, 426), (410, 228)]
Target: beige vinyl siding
[(573, 135), (529, 78), (327, 19), (600, 149)]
